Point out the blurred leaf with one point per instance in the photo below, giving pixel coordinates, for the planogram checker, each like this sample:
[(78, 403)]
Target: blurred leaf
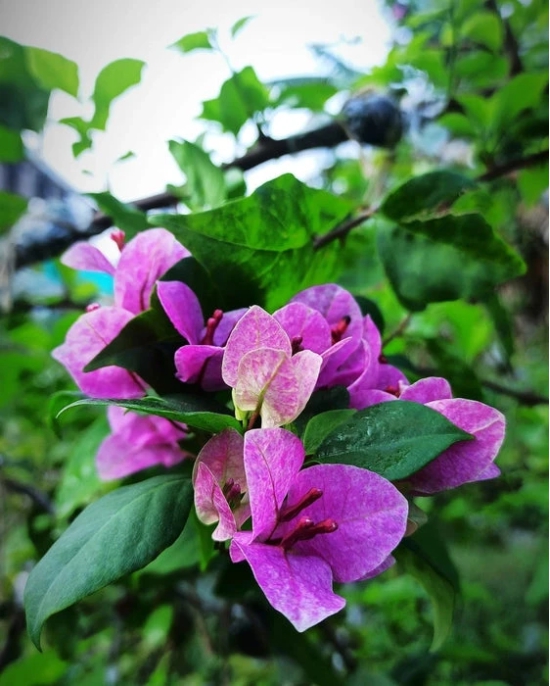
[(156, 628), (11, 146), (424, 556), (426, 195), (479, 110), (34, 670), (312, 96), (369, 307), (193, 41), (12, 208), (460, 375), (125, 217), (393, 439), (116, 535), (198, 411), (523, 92), (205, 182), (82, 127), (240, 97), (484, 28), (321, 425), (446, 258), (239, 25), (502, 322), (458, 124), (130, 155), (532, 183), (259, 249), (23, 101), (52, 70), (113, 80)]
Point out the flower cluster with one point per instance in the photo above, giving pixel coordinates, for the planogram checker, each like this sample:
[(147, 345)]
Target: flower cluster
[(300, 526)]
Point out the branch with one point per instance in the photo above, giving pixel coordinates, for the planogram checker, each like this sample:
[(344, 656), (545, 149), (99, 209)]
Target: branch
[(343, 229), (511, 46), (514, 165)]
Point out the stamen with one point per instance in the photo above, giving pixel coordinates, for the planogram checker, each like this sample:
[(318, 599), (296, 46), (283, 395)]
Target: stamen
[(310, 497), (338, 330), (118, 237), (394, 390), (92, 306), (211, 326), (382, 359), (232, 493), (296, 344), (306, 530)]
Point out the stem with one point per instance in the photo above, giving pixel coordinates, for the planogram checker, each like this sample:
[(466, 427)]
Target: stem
[(399, 330), (342, 230), (514, 165)]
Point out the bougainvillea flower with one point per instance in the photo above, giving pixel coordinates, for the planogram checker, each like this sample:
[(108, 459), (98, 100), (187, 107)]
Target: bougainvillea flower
[(201, 360), (312, 527), (267, 378), (137, 442), (143, 260), (465, 461), (220, 484)]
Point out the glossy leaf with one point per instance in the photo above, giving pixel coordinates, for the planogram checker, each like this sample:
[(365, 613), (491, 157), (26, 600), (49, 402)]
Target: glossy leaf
[(193, 41), (198, 411), (52, 70), (11, 145), (260, 248), (205, 182), (125, 217), (320, 426), (113, 80), (12, 208), (116, 535), (394, 440), (445, 258)]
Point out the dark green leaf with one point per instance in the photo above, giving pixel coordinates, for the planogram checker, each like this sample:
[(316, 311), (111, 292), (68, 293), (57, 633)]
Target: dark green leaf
[(205, 182), (371, 308), (192, 273), (320, 426), (424, 556), (116, 535), (57, 402), (52, 70), (199, 411), (193, 41), (259, 248), (125, 217), (240, 97), (503, 324), (112, 81), (394, 439), (460, 375), (426, 195), (325, 400), (239, 25), (443, 259), (523, 92), (11, 145), (12, 208)]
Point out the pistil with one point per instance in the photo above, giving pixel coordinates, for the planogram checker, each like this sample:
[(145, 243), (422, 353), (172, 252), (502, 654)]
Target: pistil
[(306, 529), (310, 497)]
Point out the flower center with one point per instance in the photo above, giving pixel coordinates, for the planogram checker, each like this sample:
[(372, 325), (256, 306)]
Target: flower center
[(305, 528), (118, 237), (211, 326), (296, 344), (394, 390), (339, 329), (233, 493)]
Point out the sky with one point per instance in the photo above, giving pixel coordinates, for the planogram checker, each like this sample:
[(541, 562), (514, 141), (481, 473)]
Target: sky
[(167, 101)]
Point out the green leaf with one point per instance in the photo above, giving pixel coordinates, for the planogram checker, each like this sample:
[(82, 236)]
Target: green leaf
[(113, 80), (199, 411), (116, 535), (324, 400), (312, 96), (205, 182), (424, 556), (240, 97), (479, 110), (193, 41), (532, 183), (394, 439), (259, 248), (11, 145), (125, 217), (460, 375), (523, 92), (12, 208), (34, 670), (425, 195), (484, 28), (320, 426), (192, 273), (52, 70), (458, 124), (239, 25), (446, 258), (83, 129)]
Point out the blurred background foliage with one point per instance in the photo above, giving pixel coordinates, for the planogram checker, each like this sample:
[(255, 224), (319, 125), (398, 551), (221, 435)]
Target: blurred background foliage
[(470, 80)]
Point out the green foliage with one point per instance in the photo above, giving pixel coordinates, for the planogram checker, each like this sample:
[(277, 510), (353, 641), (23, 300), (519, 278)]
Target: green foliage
[(205, 187), (394, 440), (121, 532), (125, 217), (199, 40), (12, 208), (52, 70), (11, 145)]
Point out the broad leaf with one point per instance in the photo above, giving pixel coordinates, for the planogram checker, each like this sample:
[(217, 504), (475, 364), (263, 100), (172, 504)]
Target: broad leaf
[(394, 439), (112, 81), (199, 411), (12, 208), (523, 92), (125, 217), (192, 273), (52, 70), (320, 426), (260, 248), (116, 535), (205, 182), (484, 28), (11, 145), (425, 195), (445, 258), (424, 556), (193, 41)]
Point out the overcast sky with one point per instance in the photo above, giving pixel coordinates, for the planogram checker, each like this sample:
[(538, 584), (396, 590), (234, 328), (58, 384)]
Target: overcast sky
[(169, 97)]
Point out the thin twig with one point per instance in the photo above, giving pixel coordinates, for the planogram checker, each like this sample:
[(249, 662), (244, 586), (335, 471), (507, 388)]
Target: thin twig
[(511, 46), (398, 330), (514, 165), (343, 229)]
